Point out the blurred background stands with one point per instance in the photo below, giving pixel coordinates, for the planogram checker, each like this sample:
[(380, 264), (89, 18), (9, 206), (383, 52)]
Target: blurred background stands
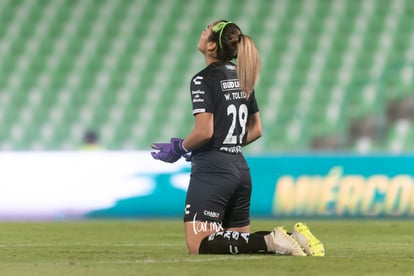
[(337, 74)]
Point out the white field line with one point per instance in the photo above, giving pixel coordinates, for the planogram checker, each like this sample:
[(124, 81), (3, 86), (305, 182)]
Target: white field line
[(191, 259), (195, 259), (188, 260), (57, 244), (151, 244)]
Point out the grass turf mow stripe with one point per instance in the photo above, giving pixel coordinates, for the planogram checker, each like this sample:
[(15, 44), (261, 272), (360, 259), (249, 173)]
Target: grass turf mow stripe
[(157, 247)]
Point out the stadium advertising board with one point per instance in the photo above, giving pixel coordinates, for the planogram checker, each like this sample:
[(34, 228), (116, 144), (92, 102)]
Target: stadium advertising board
[(65, 185), (336, 186)]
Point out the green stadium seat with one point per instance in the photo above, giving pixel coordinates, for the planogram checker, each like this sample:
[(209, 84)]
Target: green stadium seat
[(81, 55)]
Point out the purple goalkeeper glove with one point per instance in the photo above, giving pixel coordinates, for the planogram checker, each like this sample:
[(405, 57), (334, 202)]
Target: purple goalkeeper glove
[(169, 152)]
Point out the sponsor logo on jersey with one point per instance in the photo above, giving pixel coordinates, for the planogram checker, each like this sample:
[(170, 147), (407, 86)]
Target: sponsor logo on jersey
[(227, 85), (233, 149), (197, 96), (195, 92), (197, 80)]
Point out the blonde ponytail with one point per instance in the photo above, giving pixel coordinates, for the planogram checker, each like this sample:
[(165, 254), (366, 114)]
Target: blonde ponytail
[(248, 64)]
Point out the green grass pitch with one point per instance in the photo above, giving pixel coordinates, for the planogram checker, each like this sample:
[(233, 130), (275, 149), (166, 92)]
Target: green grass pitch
[(157, 247)]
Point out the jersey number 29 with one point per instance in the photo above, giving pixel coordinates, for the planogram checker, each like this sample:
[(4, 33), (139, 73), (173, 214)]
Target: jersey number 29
[(239, 117)]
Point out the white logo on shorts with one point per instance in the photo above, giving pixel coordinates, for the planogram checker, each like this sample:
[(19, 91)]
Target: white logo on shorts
[(187, 209), (206, 226)]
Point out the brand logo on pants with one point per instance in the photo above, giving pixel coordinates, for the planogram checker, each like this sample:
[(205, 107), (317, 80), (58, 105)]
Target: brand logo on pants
[(187, 209), (211, 214)]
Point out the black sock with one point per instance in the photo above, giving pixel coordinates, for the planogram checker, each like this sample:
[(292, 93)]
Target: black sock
[(231, 242)]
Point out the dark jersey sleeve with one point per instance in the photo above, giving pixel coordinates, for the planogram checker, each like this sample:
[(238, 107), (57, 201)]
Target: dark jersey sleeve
[(201, 97)]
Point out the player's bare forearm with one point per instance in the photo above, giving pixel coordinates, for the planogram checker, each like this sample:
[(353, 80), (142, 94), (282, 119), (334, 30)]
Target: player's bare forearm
[(201, 133), (254, 128)]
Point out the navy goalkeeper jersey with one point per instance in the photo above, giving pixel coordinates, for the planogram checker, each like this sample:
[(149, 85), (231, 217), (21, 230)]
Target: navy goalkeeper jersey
[(216, 89)]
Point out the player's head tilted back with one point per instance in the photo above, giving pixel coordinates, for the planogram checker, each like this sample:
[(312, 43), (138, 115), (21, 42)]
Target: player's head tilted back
[(223, 40), (227, 35)]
